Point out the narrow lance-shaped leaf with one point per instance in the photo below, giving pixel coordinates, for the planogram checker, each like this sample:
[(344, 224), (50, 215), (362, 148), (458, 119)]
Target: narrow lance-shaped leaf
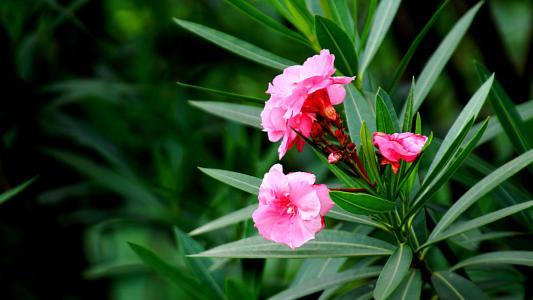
[(390, 108), (340, 214), (300, 16), (410, 288), (407, 114), (507, 114), (199, 267), (440, 57), (477, 222), (470, 111), (409, 54), (370, 11), (237, 216), (14, 191), (266, 20), (434, 184), (328, 243), (521, 258), (331, 37), (357, 111), (223, 93), (236, 45), (313, 268), (247, 183), (243, 114), (368, 156), (393, 272), (382, 20), (322, 283), (451, 286), (341, 14), (384, 122), (482, 188), (494, 129), (172, 274), (359, 203)]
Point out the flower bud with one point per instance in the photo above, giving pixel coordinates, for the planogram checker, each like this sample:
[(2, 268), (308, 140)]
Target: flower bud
[(334, 157)]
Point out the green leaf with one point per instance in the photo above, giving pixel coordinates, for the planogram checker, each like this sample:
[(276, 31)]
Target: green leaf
[(507, 114), (440, 57), (357, 111), (508, 193), (341, 15), (477, 222), (359, 203), (409, 54), (223, 93), (266, 20), (407, 113), (340, 214), (390, 108), (522, 258), (131, 188), (384, 121), (435, 182), (324, 282), (328, 243), (382, 20), (331, 37), (236, 45), (367, 155), (199, 266), (14, 191), (410, 288), (237, 290), (170, 273), (482, 188), (313, 268), (393, 272), (300, 16), (247, 183), (451, 286), (494, 129), (370, 10), (237, 216), (470, 111), (244, 114)]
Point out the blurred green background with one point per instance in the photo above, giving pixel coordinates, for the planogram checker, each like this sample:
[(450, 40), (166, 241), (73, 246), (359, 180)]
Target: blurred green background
[(90, 105)]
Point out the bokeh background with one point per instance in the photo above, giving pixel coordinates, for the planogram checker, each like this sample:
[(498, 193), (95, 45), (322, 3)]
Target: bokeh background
[(89, 103)]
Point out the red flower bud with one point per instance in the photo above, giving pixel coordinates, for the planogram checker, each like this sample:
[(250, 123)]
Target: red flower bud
[(334, 157)]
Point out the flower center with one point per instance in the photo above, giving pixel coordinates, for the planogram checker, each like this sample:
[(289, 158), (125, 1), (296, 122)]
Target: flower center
[(286, 206)]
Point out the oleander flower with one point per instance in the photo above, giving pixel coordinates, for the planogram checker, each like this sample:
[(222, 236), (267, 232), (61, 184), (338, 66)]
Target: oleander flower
[(396, 146), (297, 95), (291, 207)]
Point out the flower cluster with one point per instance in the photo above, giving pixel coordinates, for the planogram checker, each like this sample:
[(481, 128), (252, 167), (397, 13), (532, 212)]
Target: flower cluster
[(300, 110), (296, 98)]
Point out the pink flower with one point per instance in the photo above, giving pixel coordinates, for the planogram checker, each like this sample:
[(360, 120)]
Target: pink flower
[(291, 207), (297, 95), (396, 146)]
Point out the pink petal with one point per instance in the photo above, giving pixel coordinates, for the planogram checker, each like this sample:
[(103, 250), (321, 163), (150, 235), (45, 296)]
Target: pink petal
[(274, 182), (325, 201), (304, 177), (336, 94), (305, 198), (318, 65)]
